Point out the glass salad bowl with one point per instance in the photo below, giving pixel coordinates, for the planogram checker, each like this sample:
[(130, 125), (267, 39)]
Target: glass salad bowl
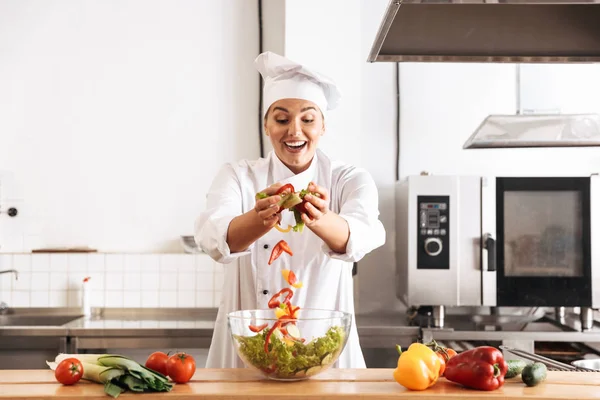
[(289, 349)]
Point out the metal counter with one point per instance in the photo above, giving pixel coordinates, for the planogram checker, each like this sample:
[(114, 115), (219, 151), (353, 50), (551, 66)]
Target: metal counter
[(169, 327), (139, 330)]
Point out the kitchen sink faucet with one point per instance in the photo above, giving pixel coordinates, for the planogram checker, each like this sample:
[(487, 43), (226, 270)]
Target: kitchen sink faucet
[(14, 271)]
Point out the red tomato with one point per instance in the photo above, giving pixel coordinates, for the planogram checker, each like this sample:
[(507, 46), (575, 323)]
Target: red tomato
[(444, 354), (69, 371), (157, 361), (442, 358), (181, 367)]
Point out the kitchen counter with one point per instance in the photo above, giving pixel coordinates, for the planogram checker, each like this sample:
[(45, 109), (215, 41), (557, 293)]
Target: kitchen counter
[(193, 327), (332, 384)]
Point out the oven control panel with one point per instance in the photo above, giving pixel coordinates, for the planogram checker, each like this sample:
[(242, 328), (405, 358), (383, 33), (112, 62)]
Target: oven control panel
[(433, 232)]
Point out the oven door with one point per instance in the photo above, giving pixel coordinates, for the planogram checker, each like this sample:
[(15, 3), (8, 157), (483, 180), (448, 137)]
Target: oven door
[(543, 244)]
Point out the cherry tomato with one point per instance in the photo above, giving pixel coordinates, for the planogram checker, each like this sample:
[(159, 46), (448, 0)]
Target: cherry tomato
[(157, 361), (442, 358), (451, 352), (69, 371), (181, 367), (444, 354)]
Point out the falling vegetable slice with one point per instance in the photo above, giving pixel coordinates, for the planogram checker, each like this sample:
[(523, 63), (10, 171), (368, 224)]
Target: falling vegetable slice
[(258, 328), (268, 338), (281, 312), (279, 248), (274, 302), (289, 228), (293, 331), (291, 278)]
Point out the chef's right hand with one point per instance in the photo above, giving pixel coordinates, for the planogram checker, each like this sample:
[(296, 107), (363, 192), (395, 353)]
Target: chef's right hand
[(267, 208)]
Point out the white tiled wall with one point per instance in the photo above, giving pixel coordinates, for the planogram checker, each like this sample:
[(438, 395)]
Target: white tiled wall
[(117, 280)]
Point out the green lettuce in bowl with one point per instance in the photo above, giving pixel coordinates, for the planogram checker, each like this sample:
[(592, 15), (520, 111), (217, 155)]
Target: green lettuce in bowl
[(297, 350)]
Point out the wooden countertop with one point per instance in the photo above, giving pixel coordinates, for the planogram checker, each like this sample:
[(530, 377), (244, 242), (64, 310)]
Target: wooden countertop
[(346, 383)]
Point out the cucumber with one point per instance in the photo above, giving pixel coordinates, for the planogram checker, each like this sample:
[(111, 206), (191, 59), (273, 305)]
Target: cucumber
[(534, 374), (289, 201), (515, 367)]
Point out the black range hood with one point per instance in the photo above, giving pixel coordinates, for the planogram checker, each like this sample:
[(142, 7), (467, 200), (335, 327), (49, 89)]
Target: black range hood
[(515, 31)]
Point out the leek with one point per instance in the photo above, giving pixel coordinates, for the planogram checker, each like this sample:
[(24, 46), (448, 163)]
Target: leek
[(117, 373)]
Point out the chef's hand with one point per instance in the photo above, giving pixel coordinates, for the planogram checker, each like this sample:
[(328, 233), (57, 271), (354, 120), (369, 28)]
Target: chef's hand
[(316, 206), (267, 208)]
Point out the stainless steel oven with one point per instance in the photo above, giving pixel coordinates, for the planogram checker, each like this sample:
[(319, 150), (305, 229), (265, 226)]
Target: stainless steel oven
[(499, 241)]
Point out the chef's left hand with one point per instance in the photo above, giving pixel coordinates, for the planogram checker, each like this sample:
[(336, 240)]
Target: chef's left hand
[(316, 207)]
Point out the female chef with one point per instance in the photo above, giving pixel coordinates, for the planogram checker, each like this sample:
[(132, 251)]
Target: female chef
[(341, 223)]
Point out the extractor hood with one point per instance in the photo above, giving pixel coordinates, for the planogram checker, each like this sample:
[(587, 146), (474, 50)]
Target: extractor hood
[(516, 31), (545, 130)]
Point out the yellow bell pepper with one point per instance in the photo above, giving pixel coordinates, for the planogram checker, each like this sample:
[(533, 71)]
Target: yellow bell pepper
[(418, 367), (280, 312), (290, 278), (289, 228)]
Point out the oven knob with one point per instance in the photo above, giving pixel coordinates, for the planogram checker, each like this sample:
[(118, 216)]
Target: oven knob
[(433, 246)]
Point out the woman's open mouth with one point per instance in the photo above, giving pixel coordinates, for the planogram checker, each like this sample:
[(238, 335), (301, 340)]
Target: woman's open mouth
[(295, 147)]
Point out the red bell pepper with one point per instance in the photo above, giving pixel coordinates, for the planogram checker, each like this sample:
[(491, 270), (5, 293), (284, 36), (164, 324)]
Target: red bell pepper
[(270, 369), (290, 316), (274, 302), (268, 338), (301, 208), (258, 328), (480, 368), (287, 186), (293, 311), (291, 278), (279, 248)]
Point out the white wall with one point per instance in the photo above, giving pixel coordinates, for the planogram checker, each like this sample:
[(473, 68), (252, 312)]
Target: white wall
[(335, 37), (96, 79), (117, 280), (115, 115), (378, 144), (442, 105)]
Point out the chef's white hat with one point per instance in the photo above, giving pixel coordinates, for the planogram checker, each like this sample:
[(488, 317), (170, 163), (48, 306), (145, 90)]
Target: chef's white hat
[(286, 79)]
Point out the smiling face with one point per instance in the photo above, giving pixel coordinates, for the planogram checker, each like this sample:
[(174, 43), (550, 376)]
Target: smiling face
[(294, 127)]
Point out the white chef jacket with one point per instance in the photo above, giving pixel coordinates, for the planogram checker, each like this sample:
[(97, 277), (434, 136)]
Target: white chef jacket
[(326, 275)]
